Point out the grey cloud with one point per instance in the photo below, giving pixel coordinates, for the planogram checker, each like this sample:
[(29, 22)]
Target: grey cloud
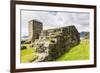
[(54, 19)]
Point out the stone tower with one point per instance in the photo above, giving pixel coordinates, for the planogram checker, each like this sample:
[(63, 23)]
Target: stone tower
[(35, 28)]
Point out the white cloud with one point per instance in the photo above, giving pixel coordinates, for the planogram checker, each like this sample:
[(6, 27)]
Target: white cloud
[(53, 19)]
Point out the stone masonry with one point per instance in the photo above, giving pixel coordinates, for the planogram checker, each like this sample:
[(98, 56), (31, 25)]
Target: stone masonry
[(35, 28), (52, 43)]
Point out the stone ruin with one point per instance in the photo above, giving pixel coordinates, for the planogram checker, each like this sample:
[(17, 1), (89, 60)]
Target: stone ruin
[(52, 43), (35, 28)]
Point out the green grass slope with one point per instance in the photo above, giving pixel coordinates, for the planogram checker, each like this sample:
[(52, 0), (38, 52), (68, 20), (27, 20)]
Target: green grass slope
[(28, 55), (79, 52)]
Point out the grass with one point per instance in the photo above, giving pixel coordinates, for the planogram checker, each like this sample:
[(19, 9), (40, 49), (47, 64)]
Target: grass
[(79, 52), (28, 55), (27, 51)]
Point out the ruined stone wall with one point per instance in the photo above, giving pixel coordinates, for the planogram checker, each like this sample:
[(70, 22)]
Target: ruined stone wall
[(35, 28), (63, 41), (53, 43)]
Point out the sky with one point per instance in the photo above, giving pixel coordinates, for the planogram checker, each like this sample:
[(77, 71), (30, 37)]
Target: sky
[(55, 19)]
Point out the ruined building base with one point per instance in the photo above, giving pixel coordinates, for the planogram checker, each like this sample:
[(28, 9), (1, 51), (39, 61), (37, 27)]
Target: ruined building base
[(52, 43)]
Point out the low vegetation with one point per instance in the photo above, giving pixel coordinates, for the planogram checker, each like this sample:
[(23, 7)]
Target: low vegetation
[(28, 54), (79, 52)]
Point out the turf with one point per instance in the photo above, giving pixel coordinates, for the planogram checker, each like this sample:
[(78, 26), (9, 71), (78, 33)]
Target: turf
[(28, 55), (79, 52)]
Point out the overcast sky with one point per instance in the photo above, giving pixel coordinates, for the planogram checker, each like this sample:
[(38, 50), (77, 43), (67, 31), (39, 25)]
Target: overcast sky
[(55, 19)]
